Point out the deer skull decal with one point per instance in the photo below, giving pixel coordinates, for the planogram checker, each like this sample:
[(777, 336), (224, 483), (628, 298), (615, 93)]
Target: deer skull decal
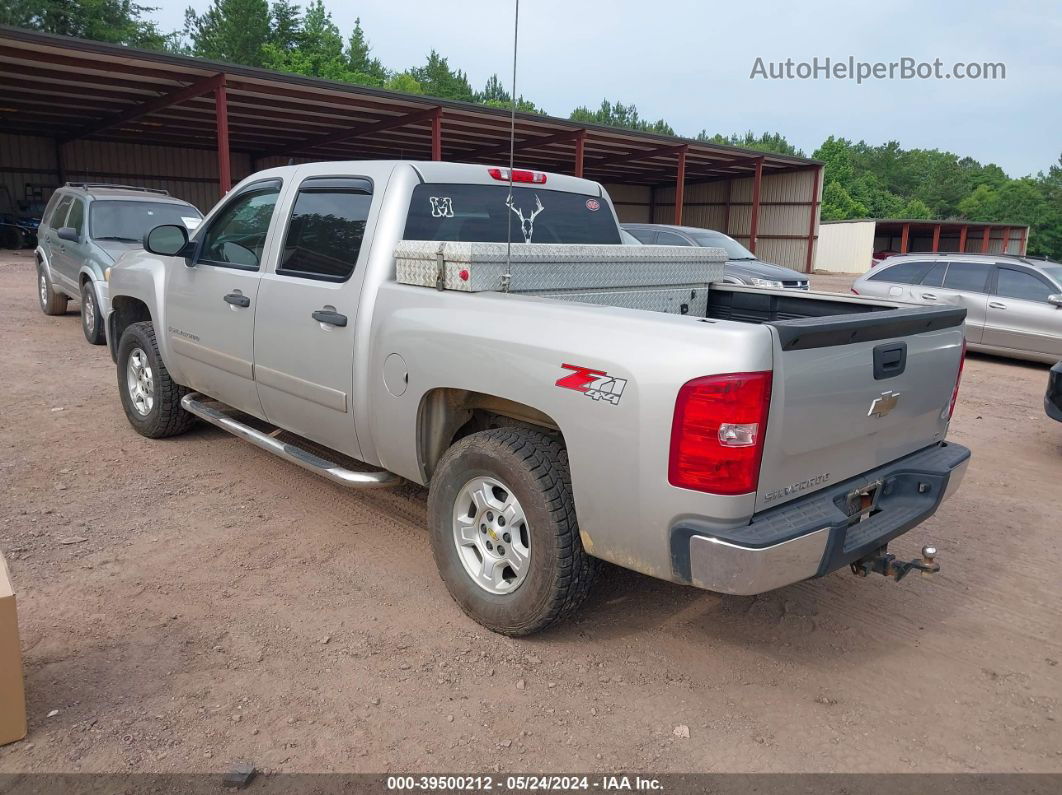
[(527, 225)]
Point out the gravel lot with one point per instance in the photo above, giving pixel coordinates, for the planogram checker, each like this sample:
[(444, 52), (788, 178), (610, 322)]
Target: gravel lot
[(189, 602)]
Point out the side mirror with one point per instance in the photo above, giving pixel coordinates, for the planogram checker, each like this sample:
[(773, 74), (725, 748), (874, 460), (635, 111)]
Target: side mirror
[(68, 233), (1055, 299), (169, 240)]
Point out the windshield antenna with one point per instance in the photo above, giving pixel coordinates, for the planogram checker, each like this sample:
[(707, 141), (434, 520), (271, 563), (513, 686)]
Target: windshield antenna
[(508, 277)]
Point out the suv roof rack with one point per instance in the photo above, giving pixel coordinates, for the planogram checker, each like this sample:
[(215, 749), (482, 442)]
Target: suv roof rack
[(90, 185)]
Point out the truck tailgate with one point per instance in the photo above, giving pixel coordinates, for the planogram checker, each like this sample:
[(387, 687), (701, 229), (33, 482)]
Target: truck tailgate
[(854, 392)]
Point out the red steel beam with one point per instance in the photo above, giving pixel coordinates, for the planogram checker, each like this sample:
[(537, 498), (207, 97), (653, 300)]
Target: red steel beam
[(526, 143), (984, 240), (356, 131), (1021, 241), (197, 89), (436, 134), (221, 111), (1005, 241), (754, 221), (580, 152), (905, 238), (936, 238), (644, 154), (680, 183), (962, 238), (812, 217)]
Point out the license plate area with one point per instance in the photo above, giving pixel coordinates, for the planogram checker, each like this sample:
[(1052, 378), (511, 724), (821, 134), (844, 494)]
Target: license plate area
[(862, 503)]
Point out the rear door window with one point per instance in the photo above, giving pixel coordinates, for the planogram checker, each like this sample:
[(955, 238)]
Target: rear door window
[(968, 277), (1023, 285), (903, 273), (665, 238), (935, 276), (326, 229), (481, 213)]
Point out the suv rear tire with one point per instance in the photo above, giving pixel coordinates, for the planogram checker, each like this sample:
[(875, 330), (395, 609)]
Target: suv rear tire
[(521, 473), (151, 399), (52, 302), (91, 318)]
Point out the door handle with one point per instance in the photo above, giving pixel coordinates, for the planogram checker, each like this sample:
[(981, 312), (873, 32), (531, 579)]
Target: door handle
[(996, 305), (929, 296), (329, 317), (237, 300)]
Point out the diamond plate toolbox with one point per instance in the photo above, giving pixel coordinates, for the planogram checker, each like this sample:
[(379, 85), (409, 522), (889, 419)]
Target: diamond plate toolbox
[(551, 269)]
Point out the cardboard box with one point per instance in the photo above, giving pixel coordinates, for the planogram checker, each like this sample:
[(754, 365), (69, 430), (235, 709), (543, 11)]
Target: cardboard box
[(12, 691)]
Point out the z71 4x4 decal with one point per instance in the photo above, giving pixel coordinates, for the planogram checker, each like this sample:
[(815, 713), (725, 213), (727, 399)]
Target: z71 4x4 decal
[(596, 384)]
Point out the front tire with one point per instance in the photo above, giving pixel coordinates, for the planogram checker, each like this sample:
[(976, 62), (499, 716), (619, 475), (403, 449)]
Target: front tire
[(91, 317), (51, 301), (504, 532), (151, 399)]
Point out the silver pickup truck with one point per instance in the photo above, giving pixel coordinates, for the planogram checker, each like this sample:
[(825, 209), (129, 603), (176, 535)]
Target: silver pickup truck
[(768, 437)]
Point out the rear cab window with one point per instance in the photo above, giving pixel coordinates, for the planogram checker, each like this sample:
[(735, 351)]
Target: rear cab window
[(480, 213)]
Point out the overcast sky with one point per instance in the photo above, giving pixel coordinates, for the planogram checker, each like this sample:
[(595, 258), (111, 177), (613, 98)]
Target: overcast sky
[(690, 63)]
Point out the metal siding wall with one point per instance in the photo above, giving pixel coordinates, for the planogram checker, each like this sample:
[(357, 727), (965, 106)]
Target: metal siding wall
[(26, 159), (704, 206), (845, 248), (189, 174), (632, 202)]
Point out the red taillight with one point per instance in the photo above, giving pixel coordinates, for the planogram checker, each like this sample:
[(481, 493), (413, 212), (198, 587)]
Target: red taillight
[(717, 434), (958, 378), (519, 175)]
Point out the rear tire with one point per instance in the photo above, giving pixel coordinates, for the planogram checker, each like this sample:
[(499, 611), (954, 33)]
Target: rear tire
[(52, 302), (91, 317), (151, 399), (523, 473)]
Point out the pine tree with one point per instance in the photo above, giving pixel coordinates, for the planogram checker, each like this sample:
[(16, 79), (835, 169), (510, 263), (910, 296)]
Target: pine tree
[(437, 79), (231, 30), (285, 26), (359, 59)]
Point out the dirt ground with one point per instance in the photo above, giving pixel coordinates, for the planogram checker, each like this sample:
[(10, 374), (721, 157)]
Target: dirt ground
[(189, 602)]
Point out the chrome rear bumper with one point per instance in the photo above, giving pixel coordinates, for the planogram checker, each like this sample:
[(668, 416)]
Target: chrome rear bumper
[(812, 536)]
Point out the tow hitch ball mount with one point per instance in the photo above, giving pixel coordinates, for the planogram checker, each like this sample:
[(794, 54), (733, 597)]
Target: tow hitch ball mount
[(882, 562)]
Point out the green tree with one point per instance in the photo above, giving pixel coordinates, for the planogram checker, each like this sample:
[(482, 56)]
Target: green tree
[(437, 79), (495, 95), (236, 31), (838, 204), (403, 82), (765, 142), (359, 58), (619, 115), (916, 208), (285, 25), (114, 21)]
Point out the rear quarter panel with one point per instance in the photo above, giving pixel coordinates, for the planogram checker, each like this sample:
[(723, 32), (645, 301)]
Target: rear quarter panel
[(513, 347)]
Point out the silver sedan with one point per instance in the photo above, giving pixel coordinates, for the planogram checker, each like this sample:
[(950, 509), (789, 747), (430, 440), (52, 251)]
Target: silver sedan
[(1013, 304)]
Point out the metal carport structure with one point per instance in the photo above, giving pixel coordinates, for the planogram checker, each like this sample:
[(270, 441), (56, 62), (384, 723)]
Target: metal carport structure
[(75, 108)]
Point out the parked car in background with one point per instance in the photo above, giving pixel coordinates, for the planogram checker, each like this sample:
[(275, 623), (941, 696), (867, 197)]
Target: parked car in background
[(85, 229), (1053, 398), (18, 221), (1013, 304), (742, 267)]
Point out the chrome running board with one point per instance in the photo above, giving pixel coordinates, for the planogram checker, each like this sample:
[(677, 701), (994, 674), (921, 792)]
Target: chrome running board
[(193, 404)]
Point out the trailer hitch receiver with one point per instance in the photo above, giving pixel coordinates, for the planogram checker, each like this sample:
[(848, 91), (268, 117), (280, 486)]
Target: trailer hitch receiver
[(882, 562)]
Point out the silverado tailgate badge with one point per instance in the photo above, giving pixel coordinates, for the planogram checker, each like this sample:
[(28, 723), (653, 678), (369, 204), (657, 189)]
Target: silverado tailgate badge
[(884, 404), (596, 384)]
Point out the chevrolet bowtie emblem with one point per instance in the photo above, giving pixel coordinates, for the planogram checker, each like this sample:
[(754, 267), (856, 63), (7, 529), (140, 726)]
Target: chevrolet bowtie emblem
[(884, 404)]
